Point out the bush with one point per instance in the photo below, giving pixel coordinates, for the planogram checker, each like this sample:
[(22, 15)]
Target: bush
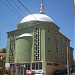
[(5, 71)]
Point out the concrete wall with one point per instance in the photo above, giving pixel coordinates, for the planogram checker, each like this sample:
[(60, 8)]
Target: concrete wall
[(23, 49)]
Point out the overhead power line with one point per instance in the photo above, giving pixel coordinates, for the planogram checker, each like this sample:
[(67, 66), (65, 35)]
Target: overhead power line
[(10, 8), (24, 6), (26, 9), (14, 8), (18, 7)]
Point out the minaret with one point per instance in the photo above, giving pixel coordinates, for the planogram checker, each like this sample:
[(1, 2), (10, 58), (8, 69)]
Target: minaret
[(42, 7)]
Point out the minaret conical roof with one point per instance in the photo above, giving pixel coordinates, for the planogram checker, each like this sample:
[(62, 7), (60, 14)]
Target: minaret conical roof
[(42, 7)]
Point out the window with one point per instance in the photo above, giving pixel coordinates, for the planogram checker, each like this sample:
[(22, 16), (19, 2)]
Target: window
[(55, 64), (21, 68), (28, 66), (36, 44), (48, 39), (49, 50), (48, 29), (57, 45), (36, 65), (40, 65), (50, 64), (62, 47), (11, 65), (12, 47), (33, 66)]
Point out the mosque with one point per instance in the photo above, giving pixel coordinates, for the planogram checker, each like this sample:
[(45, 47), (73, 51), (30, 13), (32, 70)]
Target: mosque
[(37, 46)]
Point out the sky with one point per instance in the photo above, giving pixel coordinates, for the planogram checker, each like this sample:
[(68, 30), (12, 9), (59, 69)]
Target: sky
[(74, 7), (61, 12)]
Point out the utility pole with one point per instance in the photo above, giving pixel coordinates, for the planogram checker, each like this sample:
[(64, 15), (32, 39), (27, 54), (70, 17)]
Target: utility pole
[(68, 60)]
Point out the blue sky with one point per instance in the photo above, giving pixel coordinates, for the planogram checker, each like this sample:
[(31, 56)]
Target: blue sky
[(61, 11)]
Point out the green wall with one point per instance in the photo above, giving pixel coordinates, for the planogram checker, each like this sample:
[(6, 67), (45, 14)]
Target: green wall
[(23, 49), (42, 46)]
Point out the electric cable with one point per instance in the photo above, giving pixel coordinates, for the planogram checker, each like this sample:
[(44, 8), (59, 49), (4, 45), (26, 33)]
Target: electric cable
[(14, 8), (18, 7), (26, 9), (10, 8)]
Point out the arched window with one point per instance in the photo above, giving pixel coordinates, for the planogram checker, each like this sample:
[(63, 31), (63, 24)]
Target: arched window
[(36, 44), (62, 47), (56, 41), (12, 47)]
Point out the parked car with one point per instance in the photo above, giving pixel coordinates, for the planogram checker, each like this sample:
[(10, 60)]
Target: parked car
[(60, 72)]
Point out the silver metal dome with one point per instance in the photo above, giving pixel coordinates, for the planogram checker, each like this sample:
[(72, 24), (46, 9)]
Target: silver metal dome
[(36, 17)]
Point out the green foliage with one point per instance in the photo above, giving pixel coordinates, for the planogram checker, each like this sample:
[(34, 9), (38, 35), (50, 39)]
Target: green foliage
[(4, 50), (5, 71)]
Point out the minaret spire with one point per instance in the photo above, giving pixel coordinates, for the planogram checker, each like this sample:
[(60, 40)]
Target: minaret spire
[(42, 7)]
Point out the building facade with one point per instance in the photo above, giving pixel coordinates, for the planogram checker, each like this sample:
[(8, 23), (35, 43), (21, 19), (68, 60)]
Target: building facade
[(37, 46), (2, 61)]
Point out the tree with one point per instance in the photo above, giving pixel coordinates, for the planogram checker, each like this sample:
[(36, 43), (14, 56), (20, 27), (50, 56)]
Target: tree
[(4, 50)]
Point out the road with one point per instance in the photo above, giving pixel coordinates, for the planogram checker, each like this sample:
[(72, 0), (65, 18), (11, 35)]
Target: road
[(73, 73)]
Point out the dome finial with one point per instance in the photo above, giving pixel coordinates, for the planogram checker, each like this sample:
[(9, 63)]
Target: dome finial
[(42, 7)]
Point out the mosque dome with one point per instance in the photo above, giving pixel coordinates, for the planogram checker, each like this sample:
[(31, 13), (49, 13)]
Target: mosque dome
[(36, 17)]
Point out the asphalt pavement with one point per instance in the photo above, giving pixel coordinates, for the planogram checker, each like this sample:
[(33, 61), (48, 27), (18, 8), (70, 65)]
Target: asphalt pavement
[(73, 73)]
